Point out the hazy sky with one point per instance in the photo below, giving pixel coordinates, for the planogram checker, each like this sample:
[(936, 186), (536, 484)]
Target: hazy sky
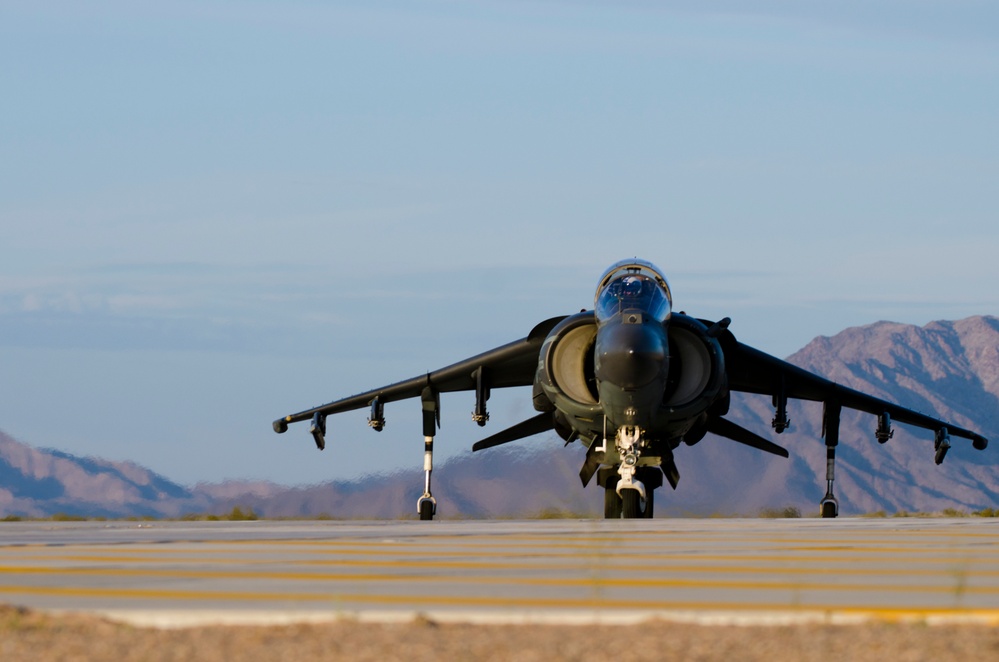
[(215, 213)]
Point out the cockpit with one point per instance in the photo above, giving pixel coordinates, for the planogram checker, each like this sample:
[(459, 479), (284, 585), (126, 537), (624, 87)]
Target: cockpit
[(633, 286)]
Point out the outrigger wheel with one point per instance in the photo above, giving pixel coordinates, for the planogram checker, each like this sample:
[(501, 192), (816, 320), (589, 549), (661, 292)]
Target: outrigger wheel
[(830, 507), (427, 509)]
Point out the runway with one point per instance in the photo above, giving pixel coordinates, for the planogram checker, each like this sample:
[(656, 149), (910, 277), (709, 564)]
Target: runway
[(724, 571)]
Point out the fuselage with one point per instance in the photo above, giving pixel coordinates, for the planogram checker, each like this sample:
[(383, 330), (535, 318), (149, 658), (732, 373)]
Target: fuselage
[(631, 350), (631, 363)]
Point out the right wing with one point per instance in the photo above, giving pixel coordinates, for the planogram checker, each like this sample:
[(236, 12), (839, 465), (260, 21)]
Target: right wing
[(753, 371), (513, 364)]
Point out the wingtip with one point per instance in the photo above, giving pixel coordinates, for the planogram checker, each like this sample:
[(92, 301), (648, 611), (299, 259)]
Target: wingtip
[(979, 442)]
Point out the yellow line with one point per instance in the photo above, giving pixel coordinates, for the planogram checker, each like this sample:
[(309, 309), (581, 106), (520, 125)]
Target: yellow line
[(548, 545), (549, 548), (584, 582), (671, 568), (146, 565), (599, 538), (608, 559)]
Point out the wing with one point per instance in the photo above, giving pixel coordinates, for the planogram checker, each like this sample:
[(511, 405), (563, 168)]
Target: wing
[(753, 371), (513, 364)]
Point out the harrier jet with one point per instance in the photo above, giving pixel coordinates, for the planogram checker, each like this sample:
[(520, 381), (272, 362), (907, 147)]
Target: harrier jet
[(632, 381)]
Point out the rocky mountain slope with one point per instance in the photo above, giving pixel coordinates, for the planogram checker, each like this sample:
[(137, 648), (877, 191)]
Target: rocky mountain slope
[(36, 483), (950, 369)]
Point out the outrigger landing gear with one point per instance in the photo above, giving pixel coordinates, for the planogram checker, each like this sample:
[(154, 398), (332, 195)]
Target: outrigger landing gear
[(427, 504), (829, 505)]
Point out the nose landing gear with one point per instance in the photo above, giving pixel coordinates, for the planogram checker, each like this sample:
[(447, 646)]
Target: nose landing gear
[(629, 489), (629, 504)]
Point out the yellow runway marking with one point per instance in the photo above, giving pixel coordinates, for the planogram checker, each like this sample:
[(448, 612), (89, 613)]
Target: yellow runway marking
[(593, 582), (766, 565), (846, 567), (982, 565)]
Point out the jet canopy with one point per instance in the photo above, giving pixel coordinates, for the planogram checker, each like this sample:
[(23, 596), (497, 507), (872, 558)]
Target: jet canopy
[(633, 286)]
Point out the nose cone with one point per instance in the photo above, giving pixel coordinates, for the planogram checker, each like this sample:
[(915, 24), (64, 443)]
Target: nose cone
[(630, 355)]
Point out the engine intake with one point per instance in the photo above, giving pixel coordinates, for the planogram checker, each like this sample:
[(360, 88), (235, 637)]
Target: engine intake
[(697, 365)]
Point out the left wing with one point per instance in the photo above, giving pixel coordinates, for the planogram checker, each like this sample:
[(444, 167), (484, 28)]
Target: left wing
[(513, 364), (753, 371)]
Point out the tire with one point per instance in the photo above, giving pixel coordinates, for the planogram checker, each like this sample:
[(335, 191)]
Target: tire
[(426, 510), (650, 499), (612, 503), (829, 509), (631, 504)]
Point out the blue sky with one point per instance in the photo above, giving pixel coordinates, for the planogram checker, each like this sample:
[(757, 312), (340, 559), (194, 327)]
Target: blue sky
[(215, 213)]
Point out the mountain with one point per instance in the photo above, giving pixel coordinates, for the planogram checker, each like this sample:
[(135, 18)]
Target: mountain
[(949, 369), (36, 483), (518, 482)]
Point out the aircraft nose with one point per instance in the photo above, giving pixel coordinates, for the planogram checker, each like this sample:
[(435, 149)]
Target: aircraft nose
[(630, 355)]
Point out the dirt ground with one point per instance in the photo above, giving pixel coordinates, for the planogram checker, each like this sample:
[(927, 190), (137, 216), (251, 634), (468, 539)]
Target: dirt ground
[(27, 635)]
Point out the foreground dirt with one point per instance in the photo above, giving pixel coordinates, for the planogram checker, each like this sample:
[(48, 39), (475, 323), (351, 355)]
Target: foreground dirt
[(26, 635)]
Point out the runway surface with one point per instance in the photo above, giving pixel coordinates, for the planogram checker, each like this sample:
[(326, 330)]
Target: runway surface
[(737, 571)]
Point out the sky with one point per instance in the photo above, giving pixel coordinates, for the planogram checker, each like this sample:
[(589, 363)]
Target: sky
[(215, 213)]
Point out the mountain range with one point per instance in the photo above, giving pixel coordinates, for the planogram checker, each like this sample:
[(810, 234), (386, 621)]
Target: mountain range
[(947, 369)]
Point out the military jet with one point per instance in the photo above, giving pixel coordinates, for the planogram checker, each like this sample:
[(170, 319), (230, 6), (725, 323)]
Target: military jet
[(631, 380)]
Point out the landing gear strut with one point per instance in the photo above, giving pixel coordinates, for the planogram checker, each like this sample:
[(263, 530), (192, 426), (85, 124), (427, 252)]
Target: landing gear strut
[(830, 424), (427, 504)]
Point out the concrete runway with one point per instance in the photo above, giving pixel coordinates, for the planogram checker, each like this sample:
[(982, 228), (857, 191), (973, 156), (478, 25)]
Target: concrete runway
[(735, 571)]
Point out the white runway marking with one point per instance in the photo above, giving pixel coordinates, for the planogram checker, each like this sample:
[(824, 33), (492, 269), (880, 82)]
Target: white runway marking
[(579, 571)]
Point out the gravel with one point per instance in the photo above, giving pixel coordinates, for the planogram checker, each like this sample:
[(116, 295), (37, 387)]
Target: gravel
[(31, 635)]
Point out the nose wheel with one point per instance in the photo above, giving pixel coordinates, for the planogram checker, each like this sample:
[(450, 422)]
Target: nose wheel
[(633, 506), (628, 487), (628, 504)]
